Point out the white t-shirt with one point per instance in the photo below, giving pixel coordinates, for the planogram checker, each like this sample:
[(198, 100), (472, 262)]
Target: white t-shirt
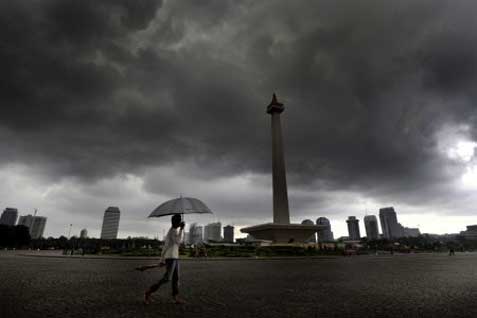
[(171, 243)]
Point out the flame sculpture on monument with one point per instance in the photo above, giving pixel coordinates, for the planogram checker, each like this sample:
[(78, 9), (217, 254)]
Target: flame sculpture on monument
[(281, 230)]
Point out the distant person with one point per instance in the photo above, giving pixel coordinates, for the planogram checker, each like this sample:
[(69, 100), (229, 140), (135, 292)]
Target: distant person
[(170, 259), (451, 252)]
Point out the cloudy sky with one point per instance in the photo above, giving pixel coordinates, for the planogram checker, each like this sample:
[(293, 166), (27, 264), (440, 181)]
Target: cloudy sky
[(130, 103)]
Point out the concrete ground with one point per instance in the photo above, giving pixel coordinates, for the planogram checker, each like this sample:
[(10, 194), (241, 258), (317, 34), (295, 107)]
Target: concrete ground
[(424, 285)]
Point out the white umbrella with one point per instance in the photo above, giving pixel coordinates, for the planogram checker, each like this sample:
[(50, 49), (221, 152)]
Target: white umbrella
[(180, 206)]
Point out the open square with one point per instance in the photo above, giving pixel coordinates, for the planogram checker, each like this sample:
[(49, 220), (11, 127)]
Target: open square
[(414, 285)]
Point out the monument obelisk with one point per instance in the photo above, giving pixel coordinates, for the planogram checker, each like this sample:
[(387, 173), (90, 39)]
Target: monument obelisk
[(281, 214), (280, 231)]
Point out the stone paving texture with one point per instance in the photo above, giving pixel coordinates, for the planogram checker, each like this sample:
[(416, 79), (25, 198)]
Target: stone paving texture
[(424, 285)]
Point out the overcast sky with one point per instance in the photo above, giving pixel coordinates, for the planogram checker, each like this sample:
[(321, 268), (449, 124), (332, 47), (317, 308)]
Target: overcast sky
[(130, 103)]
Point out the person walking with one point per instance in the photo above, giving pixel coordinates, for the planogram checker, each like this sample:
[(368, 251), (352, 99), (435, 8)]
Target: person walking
[(170, 259)]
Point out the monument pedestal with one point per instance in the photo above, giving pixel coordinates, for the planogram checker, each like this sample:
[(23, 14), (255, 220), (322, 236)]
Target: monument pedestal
[(282, 233)]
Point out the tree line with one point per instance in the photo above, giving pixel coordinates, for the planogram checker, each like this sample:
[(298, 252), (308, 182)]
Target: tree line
[(17, 236)]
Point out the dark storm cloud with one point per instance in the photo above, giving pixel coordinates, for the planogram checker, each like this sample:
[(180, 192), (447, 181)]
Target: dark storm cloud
[(93, 89)]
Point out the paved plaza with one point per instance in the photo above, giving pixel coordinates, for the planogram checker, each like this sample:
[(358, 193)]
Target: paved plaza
[(425, 285)]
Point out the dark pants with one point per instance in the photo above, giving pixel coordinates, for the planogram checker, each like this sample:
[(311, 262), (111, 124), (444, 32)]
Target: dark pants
[(172, 273)]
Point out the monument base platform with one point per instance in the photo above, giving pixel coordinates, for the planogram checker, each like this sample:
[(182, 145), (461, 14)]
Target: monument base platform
[(282, 233)]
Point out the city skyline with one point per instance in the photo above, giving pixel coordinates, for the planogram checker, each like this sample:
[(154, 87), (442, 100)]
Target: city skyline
[(132, 112), (326, 234)]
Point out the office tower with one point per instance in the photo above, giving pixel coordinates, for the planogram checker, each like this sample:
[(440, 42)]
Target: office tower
[(9, 216), (37, 227), (84, 234), (353, 228), (195, 234), (36, 224), (389, 224), (325, 234), (229, 234), (371, 225), (109, 231), (25, 220), (212, 232)]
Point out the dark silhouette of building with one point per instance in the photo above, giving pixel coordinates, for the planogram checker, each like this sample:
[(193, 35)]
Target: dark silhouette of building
[(36, 224), (353, 228), (371, 226), (389, 224), (9, 216), (229, 234), (84, 234), (212, 232), (110, 226), (325, 234)]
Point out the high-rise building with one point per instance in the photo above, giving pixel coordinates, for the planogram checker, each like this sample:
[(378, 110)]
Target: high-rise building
[(325, 234), (36, 224), (109, 231), (371, 225), (9, 216), (389, 224), (212, 232), (312, 238), (37, 227), (353, 228), (229, 234), (195, 234), (84, 234), (25, 220)]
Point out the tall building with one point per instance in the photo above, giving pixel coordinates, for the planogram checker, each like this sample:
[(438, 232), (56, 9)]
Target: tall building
[(312, 238), (371, 225), (353, 228), (9, 216), (195, 234), (212, 232), (37, 227), (36, 224), (25, 220), (325, 234), (229, 234), (389, 224), (84, 234), (109, 231)]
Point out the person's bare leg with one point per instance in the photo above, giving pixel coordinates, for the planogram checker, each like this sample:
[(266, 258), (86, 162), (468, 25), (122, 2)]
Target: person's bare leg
[(175, 285), (153, 288)]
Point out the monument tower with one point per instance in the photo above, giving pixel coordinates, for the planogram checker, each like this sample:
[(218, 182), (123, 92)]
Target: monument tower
[(280, 231), (281, 214)]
